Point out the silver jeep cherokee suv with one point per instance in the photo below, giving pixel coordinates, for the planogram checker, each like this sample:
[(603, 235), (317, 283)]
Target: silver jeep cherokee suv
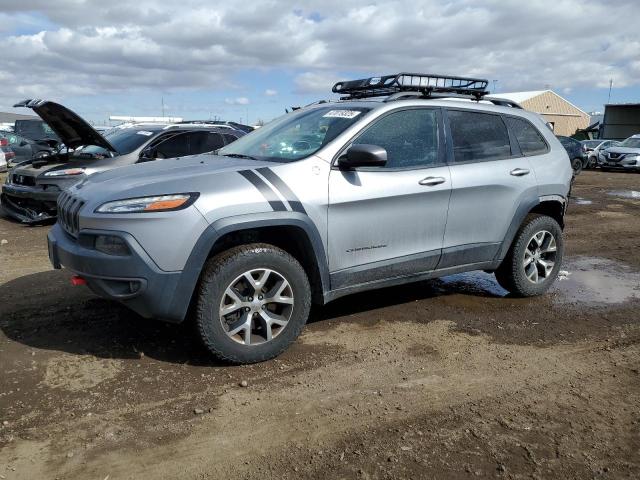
[(392, 184)]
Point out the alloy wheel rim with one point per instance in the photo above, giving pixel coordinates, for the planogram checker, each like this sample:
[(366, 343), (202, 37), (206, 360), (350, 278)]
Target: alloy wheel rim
[(540, 257), (256, 307)]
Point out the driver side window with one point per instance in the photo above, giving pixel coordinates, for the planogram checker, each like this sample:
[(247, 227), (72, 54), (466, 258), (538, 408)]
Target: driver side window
[(410, 138)]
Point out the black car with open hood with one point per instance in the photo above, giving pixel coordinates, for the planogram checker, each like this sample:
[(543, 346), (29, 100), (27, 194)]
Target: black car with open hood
[(32, 187)]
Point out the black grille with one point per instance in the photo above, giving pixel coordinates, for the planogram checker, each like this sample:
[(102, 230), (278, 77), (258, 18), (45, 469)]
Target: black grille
[(24, 180), (68, 213), (615, 156)]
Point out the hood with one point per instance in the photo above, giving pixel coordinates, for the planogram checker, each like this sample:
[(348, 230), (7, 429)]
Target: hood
[(70, 127), (622, 150), (193, 173)]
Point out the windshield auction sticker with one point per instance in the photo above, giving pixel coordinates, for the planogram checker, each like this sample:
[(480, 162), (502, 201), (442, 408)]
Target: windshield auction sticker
[(146, 133), (342, 114)]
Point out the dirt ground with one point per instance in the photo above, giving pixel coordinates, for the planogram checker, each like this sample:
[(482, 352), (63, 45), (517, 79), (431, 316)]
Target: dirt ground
[(444, 379)]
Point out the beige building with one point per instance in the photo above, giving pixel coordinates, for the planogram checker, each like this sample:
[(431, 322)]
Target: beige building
[(564, 116)]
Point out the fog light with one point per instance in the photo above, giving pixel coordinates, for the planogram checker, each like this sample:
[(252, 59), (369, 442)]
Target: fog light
[(111, 245)]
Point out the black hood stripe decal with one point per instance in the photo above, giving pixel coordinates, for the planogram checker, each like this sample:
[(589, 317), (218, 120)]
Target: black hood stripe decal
[(284, 189), (265, 190)]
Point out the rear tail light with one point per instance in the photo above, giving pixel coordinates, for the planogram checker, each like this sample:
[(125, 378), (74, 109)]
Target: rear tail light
[(9, 155), (4, 142)]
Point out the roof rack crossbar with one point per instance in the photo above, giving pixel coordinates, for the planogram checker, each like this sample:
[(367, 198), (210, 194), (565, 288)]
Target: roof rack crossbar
[(423, 83)]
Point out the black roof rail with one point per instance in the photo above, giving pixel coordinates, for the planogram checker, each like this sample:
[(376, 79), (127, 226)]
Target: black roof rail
[(422, 83), (503, 102)]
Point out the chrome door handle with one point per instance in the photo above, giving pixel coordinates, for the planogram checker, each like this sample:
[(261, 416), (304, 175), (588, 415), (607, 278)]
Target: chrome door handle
[(431, 181), (519, 172)]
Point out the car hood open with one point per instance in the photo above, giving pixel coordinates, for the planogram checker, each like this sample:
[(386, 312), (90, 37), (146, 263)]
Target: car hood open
[(70, 127)]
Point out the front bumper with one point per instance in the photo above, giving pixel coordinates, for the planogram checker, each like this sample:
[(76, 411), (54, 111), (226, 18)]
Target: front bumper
[(624, 164), (29, 204), (134, 279)]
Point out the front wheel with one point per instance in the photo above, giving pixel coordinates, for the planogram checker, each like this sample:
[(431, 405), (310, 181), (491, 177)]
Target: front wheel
[(533, 261), (253, 301)]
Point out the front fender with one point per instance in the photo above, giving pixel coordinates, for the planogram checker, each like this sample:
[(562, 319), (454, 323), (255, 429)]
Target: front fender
[(193, 268)]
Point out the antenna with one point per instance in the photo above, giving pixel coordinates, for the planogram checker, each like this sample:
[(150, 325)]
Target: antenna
[(610, 85)]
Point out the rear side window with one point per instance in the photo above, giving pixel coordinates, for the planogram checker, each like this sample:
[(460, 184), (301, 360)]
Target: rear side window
[(410, 138), (201, 142), (176, 146), (478, 137), (228, 138), (528, 136)]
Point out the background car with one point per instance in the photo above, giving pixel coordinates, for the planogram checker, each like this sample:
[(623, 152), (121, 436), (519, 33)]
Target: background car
[(6, 155), (3, 161), (624, 156), (32, 187), (575, 151), (595, 156), (35, 129), (25, 149), (591, 149)]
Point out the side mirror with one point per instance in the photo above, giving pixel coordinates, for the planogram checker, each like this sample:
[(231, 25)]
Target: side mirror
[(363, 156)]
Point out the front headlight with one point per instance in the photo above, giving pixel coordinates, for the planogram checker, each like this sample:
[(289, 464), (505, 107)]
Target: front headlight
[(160, 203), (61, 173)]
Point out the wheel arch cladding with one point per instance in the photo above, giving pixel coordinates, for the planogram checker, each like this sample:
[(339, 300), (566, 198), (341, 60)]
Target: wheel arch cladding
[(553, 207), (291, 231)]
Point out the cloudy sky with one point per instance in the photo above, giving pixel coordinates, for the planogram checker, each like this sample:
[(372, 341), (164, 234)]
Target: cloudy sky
[(232, 59)]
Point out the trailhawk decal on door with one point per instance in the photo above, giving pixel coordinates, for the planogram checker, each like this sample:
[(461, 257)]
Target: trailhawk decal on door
[(257, 179), (360, 249)]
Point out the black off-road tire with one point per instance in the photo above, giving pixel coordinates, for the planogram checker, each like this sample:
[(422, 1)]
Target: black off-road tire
[(511, 272), (217, 275), (577, 165)]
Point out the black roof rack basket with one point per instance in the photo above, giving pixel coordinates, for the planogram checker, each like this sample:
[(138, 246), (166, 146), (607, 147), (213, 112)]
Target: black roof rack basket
[(422, 83)]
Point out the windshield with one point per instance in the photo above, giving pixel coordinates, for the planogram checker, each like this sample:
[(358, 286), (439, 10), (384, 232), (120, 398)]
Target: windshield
[(631, 142), (124, 140), (295, 135), (592, 143)]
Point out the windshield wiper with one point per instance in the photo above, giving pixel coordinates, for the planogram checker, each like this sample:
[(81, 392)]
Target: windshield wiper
[(240, 155)]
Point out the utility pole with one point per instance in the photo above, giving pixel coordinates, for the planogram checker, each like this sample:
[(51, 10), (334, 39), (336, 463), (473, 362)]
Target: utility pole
[(494, 86), (162, 101), (610, 85)]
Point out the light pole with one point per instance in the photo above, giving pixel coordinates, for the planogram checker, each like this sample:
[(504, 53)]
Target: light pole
[(494, 86)]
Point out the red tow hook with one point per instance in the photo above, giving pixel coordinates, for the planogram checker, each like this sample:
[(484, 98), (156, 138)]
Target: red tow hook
[(78, 280)]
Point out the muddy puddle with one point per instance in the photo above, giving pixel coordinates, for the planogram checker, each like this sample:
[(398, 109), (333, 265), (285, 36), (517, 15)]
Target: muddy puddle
[(584, 280), (626, 194), (597, 280), (580, 201)]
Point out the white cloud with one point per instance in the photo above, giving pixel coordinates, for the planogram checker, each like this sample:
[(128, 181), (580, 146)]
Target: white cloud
[(85, 48), (237, 101), (269, 92), (315, 82)]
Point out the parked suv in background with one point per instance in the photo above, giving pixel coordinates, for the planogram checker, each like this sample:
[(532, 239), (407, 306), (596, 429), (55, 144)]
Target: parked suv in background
[(31, 188), (390, 185), (624, 156)]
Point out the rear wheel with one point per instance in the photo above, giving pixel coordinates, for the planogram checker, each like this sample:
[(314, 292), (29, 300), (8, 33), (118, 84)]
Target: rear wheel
[(576, 164), (253, 302), (533, 261)]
